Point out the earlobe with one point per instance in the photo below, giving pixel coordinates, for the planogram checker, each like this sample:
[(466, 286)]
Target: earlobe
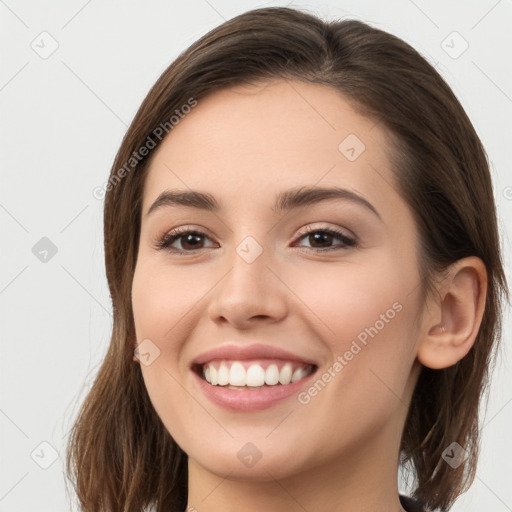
[(461, 309)]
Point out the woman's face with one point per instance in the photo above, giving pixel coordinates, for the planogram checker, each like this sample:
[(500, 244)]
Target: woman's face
[(278, 281)]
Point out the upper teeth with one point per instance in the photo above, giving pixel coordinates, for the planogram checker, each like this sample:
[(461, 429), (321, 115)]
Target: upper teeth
[(235, 373)]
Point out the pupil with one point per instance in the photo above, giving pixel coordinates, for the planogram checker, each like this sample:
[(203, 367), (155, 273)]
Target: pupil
[(188, 238), (319, 236)]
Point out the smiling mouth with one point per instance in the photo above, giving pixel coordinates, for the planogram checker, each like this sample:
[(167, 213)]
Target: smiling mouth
[(253, 375)]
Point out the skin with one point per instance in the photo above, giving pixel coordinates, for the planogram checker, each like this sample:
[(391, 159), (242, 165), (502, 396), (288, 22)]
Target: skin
[(340, 451)]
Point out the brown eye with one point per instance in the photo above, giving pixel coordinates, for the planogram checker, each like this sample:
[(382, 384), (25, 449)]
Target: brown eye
[(322, 239), (190, 240)]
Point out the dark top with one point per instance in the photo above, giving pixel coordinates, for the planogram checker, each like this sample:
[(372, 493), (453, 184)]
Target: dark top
[(411, 505)]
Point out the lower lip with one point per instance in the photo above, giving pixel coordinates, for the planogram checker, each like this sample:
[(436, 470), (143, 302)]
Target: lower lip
[(250, 400)]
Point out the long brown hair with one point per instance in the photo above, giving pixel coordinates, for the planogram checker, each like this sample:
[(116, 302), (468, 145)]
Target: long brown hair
[(120, 456)]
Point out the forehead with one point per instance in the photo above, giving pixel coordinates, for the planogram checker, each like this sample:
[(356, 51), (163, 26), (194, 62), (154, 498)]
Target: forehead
[(246, 140)]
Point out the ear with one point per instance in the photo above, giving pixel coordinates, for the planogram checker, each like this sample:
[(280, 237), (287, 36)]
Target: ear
[(454, 318)]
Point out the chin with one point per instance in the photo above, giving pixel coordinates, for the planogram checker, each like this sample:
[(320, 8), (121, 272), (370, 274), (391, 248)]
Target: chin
[(257, 460)]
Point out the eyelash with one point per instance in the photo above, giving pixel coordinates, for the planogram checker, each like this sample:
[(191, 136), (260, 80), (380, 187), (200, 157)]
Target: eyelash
[(169, 238)]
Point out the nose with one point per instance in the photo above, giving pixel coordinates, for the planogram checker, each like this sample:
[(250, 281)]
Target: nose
[(249, 293)]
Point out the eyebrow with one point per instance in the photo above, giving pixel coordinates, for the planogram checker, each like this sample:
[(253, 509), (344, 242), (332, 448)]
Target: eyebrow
[(285, 201)]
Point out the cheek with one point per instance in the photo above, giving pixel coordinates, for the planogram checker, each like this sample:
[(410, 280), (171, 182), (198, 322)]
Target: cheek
[(344, 300), (164, 299), (163, 304), (363, 314)]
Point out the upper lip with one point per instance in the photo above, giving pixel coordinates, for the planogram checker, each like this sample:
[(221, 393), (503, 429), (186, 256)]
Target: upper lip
[(247, 352)]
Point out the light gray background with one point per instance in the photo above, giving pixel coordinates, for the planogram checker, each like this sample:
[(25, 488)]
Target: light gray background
[(62, 121)]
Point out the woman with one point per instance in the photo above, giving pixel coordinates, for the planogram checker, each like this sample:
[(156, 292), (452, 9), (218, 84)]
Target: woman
[(303, 256)]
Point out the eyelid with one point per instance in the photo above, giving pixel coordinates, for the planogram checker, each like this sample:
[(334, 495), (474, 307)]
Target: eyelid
[(311, 228)]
